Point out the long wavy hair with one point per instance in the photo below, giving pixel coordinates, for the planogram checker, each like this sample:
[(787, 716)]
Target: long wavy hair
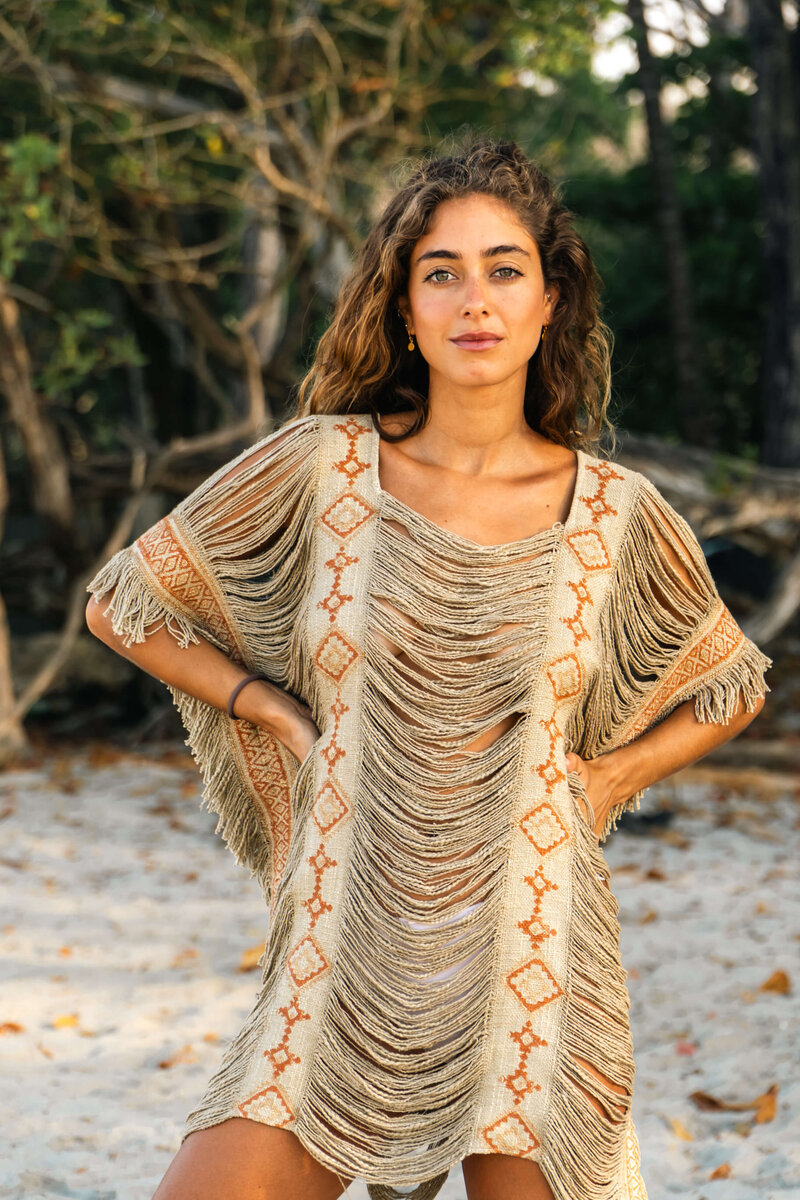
[(362, 362)]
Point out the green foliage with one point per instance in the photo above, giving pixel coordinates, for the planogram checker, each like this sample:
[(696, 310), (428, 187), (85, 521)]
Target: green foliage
[(82, 349), (26, 196)]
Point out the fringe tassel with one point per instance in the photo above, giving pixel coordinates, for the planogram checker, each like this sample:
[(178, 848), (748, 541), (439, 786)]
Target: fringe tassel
[(242, 544), (584, 1149), (224, 791), (716, 701), (423, 1191), (662, 594), (134, 607)]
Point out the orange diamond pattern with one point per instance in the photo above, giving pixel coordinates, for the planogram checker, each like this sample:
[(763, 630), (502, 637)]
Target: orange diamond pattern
[(533, 984), (269, 1106), (511, 1135), (335, 655), (544, 828), (346, 514), (306, 961), (329, 807)]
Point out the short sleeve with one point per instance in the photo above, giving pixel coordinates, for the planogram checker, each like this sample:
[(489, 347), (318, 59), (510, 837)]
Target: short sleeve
[(230, 563), (236, 538), (665, 635)]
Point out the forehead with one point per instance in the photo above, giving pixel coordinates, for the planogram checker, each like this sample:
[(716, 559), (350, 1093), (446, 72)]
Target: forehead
[(475, 219)]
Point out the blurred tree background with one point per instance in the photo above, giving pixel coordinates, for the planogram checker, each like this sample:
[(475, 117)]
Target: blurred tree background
[(183, 188)]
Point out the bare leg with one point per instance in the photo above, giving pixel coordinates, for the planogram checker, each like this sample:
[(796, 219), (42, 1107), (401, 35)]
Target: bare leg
[(504, 1177), (240, 1159)]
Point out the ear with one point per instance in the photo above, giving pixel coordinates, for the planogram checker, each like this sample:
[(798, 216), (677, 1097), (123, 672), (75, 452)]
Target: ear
[(405, 309), (551, 290)]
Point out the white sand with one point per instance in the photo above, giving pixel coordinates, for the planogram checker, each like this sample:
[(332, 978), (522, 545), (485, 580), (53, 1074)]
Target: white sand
[(124, 911)]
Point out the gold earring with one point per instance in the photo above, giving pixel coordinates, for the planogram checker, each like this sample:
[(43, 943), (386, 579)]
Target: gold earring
[(544, 331), (410, 339)]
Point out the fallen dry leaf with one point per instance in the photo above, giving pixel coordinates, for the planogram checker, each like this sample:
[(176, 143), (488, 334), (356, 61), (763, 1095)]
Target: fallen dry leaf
[(680, 1130), (210, 1037), (64, 951), (673, 838), (655, 873), (47, 1053), (648, 916), (685, 1048), (249, 959), (68, 1021), (778, 982), (61, 776), (185, 956), (767, 1106), (723, 1171), (708, 1103), (185, 1055), (11, 1027)]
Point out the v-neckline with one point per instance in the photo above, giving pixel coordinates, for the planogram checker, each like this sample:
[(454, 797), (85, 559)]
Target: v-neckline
[(388, 500)]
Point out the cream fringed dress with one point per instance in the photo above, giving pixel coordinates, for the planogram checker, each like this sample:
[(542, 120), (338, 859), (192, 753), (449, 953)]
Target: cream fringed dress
[(442, 975)]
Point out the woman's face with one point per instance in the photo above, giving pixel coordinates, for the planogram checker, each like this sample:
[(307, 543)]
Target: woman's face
[(476, 272)]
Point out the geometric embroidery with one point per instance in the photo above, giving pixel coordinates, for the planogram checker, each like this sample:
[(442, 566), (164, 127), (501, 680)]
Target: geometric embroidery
[(306, 961), (280, 1056), (544, 828), (346, 514), (590, 550), (351, 465), (575, 623), (598, 505), (565, 676), (712, 648), (329, 807), (335, 598), (511, 1135), (335, 655), (266, 777), (519, 1083), (315, 905), (533, 984), (268, 1106), (547, 771), (175, 573)]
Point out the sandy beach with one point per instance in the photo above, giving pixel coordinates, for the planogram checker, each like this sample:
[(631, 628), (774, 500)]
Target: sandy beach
[(129, 944)]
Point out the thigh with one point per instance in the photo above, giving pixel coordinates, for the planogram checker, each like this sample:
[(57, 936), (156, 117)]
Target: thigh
[(504, 1177), (240, 1159)]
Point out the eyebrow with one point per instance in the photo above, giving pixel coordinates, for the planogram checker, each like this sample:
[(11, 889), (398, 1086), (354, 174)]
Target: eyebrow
[(491, 252)]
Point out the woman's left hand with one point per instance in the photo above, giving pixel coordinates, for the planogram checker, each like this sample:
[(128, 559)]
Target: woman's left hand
[(597, 785)]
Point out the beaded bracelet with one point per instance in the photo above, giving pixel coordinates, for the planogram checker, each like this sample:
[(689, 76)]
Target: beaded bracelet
[(238, 688)]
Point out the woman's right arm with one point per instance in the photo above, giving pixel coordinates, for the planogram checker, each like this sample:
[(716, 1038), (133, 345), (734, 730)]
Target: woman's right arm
[(203, 671)]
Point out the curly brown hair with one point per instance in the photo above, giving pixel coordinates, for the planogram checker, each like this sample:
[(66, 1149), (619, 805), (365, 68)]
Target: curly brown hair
[(362, 362)]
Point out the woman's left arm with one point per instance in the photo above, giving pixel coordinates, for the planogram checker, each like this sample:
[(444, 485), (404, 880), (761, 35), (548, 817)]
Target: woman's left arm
[(677, 741)]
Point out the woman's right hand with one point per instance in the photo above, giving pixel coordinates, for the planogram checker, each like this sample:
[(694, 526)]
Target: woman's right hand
[(289, 719)]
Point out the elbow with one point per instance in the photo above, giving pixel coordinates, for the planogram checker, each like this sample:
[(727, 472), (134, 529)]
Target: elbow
[(96, 620)]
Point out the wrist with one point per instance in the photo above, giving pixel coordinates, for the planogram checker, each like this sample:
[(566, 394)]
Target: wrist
[(619, 769), (259, 703)]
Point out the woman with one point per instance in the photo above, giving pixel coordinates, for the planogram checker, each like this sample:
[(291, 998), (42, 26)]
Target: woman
[(480, 643)]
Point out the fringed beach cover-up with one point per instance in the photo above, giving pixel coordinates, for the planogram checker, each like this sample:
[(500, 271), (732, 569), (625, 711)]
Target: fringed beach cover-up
[(442, 975)]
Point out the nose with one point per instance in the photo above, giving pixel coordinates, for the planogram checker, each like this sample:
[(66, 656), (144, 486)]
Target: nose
[(474, 301)]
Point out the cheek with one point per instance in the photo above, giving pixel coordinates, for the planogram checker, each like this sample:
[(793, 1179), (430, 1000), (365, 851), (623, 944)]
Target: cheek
[(431, 309)]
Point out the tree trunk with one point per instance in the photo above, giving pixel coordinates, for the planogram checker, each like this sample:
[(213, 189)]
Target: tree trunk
[(693, 416), (12, 735), (49, 468), (777, 140)]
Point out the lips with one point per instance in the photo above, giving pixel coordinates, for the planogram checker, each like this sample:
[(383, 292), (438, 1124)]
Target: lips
[(476, 340)]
